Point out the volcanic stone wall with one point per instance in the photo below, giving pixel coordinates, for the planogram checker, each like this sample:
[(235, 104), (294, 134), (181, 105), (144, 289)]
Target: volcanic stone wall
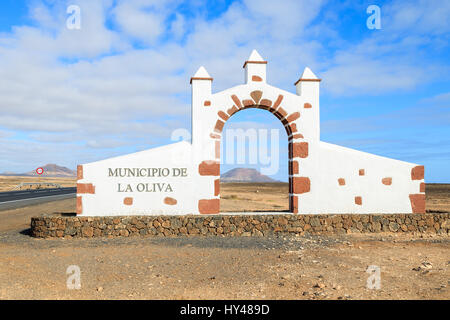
[(236, 225)]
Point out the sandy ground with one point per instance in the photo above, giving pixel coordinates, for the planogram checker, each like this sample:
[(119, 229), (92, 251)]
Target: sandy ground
[(314, 267), (8, 183), (238, 197), (437, 197), (225, 268)]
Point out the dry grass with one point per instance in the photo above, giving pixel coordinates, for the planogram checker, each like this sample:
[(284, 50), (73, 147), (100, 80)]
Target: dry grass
[(236, 197), (7, 183), (438, 197)]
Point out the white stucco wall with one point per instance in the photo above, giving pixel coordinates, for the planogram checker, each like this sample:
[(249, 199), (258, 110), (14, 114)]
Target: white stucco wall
[(109, 200), (336, 162), (314, 188)]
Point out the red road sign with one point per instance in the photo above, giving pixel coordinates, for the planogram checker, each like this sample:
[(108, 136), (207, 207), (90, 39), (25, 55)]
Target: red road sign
[(39, 170)]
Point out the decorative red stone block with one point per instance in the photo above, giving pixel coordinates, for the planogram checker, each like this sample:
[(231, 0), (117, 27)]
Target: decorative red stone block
[(422, 187), (209, 168), (266, 103), (296, 136), (85, 188), (232, 110), (256, 95), (170, 201), (362, 172), (216, 187), (236, 101), (417, 202), (248, 103), (209, 206), (79, 172), (79, 205), (257, 78), (223, 115), (293, 128), (386, 181), (128, 201), (294, 204), (282, 112), (307, 106), (217, 149), (295, 169), (215, 136), (293, 116), (341, 181), (417, 173), (301, 185), (358, 200), (219, 126), (300, 149), (278, 101), (207, 103)]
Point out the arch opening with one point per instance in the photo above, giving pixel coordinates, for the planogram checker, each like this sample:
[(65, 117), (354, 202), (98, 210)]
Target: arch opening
[(273, 196)]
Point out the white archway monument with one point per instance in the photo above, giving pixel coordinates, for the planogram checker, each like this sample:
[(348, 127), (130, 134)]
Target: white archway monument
[(183, 177)]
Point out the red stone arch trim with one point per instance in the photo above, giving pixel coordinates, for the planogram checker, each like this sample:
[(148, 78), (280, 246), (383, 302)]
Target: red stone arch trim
[(256, 102), (297, 149)]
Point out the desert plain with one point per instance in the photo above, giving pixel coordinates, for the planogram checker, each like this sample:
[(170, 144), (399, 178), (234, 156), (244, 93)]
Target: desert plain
[(294, 267), (9, 183)]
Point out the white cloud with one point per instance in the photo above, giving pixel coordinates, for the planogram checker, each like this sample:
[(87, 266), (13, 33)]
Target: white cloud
[(429, 17), (178, 26), (5, 134), (143, 20), (397, 57), (356, 74), (118, 94), (52, 38), (283, 20), (426, 121)]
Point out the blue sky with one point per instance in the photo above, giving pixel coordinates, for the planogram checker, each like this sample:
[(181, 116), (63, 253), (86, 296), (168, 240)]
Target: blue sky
[(121, 83)]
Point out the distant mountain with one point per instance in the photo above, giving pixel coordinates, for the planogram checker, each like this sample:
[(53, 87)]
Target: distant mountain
[(244, 175), (50, 170)]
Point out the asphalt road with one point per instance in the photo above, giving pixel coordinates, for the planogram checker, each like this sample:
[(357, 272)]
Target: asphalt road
[(22, 198)]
